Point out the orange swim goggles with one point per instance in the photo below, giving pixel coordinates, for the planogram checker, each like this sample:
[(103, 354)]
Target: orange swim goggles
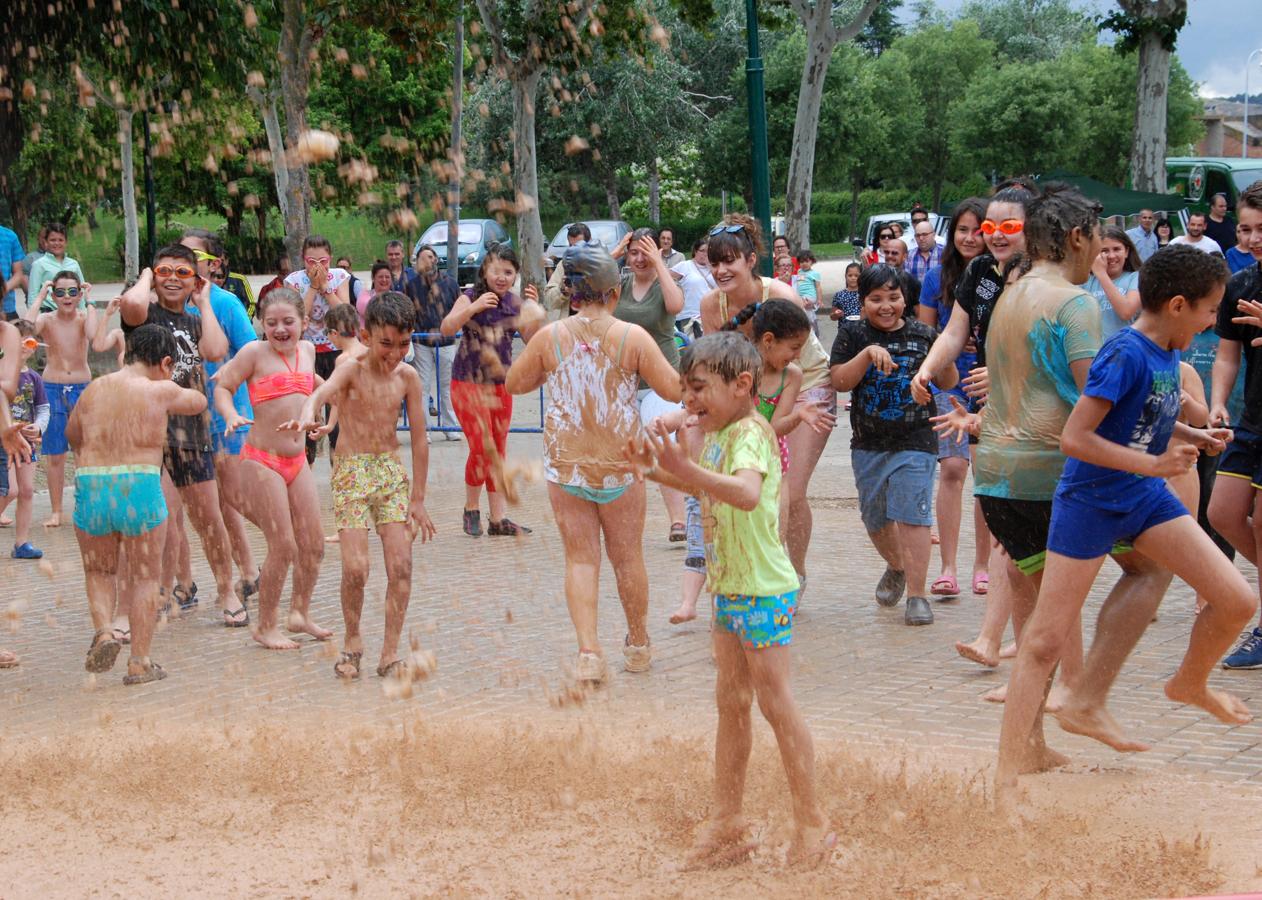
[(1007, 226), (184, 273)]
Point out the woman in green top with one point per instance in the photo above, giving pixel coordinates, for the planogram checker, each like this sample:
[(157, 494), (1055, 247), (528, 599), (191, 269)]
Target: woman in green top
[(651, 299)]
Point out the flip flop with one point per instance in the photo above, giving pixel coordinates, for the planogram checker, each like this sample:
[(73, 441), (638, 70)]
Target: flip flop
[(122, 635), (238, 619), (392, 670), (102, 653), (981, 584), (946, 586), (347, 658), (155, 672)]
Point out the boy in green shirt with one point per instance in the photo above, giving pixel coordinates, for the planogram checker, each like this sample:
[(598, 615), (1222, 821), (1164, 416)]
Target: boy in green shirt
[(754, 585), (47, 266)]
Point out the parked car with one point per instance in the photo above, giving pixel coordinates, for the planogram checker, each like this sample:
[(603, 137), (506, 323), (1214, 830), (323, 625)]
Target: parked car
[(1198, 178), (940, 225), (474, 237), (608, 232)]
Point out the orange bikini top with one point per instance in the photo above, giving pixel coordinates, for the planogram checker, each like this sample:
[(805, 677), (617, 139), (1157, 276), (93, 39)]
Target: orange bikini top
[(282, 384)]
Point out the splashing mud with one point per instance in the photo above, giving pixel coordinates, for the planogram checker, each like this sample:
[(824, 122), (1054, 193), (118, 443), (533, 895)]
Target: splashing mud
[(440, 809)]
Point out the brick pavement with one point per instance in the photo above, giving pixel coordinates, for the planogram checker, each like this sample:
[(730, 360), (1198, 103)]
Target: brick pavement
[(493, 612)]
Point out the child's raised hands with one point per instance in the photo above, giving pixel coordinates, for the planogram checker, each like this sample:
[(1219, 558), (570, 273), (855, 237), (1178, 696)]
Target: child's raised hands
[(881, 359), (486, 301), (235, 421), (817, 416), (958, 423), (977, 384)]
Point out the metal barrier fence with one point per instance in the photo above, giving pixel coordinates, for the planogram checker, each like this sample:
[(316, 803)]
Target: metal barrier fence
[(436, 403)]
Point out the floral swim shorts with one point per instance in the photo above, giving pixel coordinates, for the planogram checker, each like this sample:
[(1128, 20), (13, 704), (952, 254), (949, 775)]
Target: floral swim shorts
[(369, 489), (759, 622)]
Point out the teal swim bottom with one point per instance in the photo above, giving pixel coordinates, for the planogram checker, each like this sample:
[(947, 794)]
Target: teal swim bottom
[(595, 495), (124, 500)]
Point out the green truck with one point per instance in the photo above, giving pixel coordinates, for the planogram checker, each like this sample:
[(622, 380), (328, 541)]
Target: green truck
[(1198, 178)]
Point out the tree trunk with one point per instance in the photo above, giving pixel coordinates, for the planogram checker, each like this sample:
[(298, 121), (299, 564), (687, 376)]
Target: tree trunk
[(131, 222), (525, 85), (655, 193), (260, 213), (275, 143), (296, 44), (611, 194), (1148, 151), (797, 207)]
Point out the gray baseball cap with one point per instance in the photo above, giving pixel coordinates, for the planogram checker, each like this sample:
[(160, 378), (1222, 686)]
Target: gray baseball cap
[(590, 270)]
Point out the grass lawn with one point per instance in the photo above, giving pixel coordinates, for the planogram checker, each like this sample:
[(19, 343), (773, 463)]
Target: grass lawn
[(842, 250)]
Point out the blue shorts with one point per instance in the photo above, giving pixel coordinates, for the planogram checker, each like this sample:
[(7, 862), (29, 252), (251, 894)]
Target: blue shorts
[(594, 495), (230, 444), (123, 500), (894, 486), (1082, 530), (61, 402), (1243, 457), (759, 622)]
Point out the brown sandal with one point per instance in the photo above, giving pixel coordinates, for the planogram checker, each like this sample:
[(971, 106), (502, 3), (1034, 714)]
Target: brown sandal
[(102, 653)]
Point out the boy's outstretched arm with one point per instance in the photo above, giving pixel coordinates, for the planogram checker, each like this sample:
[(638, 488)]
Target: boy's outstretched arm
[(674, 468), (321, 396), (419, 519), (1080, 440)]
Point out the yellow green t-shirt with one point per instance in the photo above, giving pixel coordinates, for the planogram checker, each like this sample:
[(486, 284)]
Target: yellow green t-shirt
[(743, 551)]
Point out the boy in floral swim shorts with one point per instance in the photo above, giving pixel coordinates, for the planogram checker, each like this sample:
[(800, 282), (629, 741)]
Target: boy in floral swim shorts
[(754, 585), (370, 487)]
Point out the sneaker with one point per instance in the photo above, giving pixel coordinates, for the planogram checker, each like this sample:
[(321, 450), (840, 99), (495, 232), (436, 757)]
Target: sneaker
[(1248, 655), (636, 659), (506, 527), (591, 668), (918, 612), (26, 551), (889, 590), (473, 523)]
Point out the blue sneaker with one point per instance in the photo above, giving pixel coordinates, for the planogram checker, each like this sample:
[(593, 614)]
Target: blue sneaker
[(1248, 655), (26, 551)]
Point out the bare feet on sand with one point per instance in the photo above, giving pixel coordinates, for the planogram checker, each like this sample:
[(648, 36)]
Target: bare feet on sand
[(810, 847), (272, 639), (300, 624), (8, 659), (53, 521), (1223, 706), (1042, 759), (1009, 652), (1097, 723), (984, 653), (686, 613), (1057, 698), (720, 842), (998, 695)]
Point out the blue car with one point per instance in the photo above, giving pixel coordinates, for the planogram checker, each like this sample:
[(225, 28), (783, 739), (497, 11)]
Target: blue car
[(474, 236)]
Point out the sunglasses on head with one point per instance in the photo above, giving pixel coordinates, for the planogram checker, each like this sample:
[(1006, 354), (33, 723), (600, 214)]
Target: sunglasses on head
[(203, 256), (1007, 226), (726, 229), (184, 273), (66, 292)]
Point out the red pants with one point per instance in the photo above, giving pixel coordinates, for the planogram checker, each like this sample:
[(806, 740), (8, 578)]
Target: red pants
[(484, 412)]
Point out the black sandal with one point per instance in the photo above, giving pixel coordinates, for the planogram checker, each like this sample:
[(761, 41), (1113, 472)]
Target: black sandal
[(506, 527), (186, 598), (237, 619)]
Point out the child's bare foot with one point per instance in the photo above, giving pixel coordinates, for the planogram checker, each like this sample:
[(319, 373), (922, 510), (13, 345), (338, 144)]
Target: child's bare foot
[(300, 624), (53, 521), (720, 842), (1097, 723), (686, 613), (1223, 706), (5, 521), (810, 847), (998, 695), (984, 653), (1042, 759), (1009, 652), (272, 639)]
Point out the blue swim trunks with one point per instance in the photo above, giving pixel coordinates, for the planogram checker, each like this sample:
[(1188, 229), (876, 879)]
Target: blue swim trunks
[(759, 622), (61, 402), (594, 495), (1081, 530), (125, 500)]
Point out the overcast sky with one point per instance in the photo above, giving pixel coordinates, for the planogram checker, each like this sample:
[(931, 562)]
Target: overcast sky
[(1212, 46)]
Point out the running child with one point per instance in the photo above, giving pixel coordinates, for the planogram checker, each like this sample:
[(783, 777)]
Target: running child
[(893, 449), (754, 585), (342, 325), (807, 284), (370, 487), (278, 490), (119, 435), (487, 317), (29, 407), (1112, 492), (592, 363), (66, 331)]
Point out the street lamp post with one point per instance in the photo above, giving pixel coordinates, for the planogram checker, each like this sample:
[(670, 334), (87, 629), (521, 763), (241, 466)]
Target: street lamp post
[(1244, 126), (757, 104)]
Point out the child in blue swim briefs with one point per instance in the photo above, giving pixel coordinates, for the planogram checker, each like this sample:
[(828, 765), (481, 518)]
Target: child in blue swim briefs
[(754, 585), (118, 431), (1112, 492)]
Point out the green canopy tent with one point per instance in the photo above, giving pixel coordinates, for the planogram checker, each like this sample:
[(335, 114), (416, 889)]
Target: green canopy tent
[(1116, 201)]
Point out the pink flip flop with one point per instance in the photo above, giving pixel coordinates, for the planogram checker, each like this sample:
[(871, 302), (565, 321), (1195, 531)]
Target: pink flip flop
[(981, 584), (946, 586)]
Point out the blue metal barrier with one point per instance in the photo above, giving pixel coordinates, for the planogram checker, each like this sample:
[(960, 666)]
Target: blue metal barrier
[(438, 402)]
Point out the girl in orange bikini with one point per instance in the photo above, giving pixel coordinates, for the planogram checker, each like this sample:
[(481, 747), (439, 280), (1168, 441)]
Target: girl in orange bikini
[(278, 489)]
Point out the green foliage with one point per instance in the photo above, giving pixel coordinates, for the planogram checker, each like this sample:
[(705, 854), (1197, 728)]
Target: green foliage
[(1030, 30), (1132, 28)]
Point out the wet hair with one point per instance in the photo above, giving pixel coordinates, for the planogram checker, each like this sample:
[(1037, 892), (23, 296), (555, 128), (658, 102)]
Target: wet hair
[(390, 310), (1117, 233), (312, 241), (641, 233), (68, 275), (782, 319), (285, 295), (176, 251), (378, 266), (1053, 216), (725, 353), (579, 230), (149, 345), (342, 318), (25, 327), (876, 277), (1019, 189), (1019, 262), (806, 256), (1251, 197), (1179, 270), (1198, 214), (953, 263), (502, 252), (729, 245), (55, 228)]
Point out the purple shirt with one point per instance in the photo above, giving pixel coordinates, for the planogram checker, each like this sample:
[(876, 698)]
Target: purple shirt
[(487, 330)]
